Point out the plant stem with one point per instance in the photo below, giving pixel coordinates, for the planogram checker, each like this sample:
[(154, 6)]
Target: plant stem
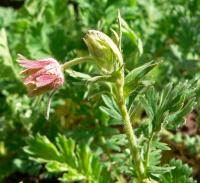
[(128, 129), (76, 61), (146, 161)]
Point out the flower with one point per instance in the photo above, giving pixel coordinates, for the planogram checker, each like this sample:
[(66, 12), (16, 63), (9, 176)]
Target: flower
[(41, 75), (103, 49)]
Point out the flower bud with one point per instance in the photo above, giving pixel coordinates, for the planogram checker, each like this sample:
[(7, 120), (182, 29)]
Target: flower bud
[(41, 75), (103, 49)]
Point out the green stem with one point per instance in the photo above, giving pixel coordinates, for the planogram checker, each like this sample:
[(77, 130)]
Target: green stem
[(146, 161), (120, 31), (129, 130), (76, 61)]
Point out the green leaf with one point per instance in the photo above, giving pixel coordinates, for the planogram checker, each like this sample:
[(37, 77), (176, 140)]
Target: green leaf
[(155, 157), (176, 119), (54, 166), (42, 149), (159, 170), (181, 173), (134, 76), (110, 103), (7, 16), (149, 102), (160, 145), (67, 149), (71, 177), (111, 112), (132, 36), (6, 62), (117, 141), (76, 162), (169, 107)]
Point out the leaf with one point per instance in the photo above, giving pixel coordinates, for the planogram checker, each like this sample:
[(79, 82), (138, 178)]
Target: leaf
[(110, 103), (71, 177), (42, 149), (117, 141), (111, 112), (155, 157), (160, 170), (75, 162), (67, 149), (54, 166), (176, 119), (160, 145), (169, 107), (181, 173), (7, 16), (6, 61), (132, 36), (134, 76), (149, 102)]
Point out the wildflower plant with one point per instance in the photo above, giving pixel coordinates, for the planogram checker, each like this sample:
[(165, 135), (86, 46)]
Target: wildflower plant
[(126, 91)]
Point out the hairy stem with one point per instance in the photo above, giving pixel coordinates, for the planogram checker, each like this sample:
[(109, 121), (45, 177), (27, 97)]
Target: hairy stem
[(128, 129), (76, 61), (146, 161)]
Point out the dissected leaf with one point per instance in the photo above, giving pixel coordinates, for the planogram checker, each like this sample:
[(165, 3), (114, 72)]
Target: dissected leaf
[(75, 161), (181, 173)]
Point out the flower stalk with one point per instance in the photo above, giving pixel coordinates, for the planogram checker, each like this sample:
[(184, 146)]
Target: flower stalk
[(128, 128), (76, 61), (120, 98)]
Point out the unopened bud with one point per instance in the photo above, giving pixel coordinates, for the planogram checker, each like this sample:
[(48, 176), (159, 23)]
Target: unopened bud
[(104, 50)]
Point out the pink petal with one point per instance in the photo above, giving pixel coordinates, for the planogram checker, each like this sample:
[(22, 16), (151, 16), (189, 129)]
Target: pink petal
[(34, 64), (32, 77), (44, 80)]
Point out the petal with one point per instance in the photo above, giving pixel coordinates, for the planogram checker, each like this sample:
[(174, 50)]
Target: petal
[(44, 80), (30, 64), (34, 75)]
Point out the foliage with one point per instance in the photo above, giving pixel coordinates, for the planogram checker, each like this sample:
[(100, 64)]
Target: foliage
[(77, 161), (180, 174)]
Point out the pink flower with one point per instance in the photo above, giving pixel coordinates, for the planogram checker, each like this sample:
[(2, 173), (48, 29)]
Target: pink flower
[(41, 75)]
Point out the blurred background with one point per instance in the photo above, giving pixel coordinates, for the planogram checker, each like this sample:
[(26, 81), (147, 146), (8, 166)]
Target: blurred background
[(169, 31)]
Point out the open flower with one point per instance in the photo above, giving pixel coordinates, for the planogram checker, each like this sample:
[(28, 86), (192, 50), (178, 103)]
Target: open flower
[(41, 75)]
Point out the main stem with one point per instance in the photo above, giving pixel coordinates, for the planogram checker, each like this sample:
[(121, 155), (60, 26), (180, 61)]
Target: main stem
[(129, 130)]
